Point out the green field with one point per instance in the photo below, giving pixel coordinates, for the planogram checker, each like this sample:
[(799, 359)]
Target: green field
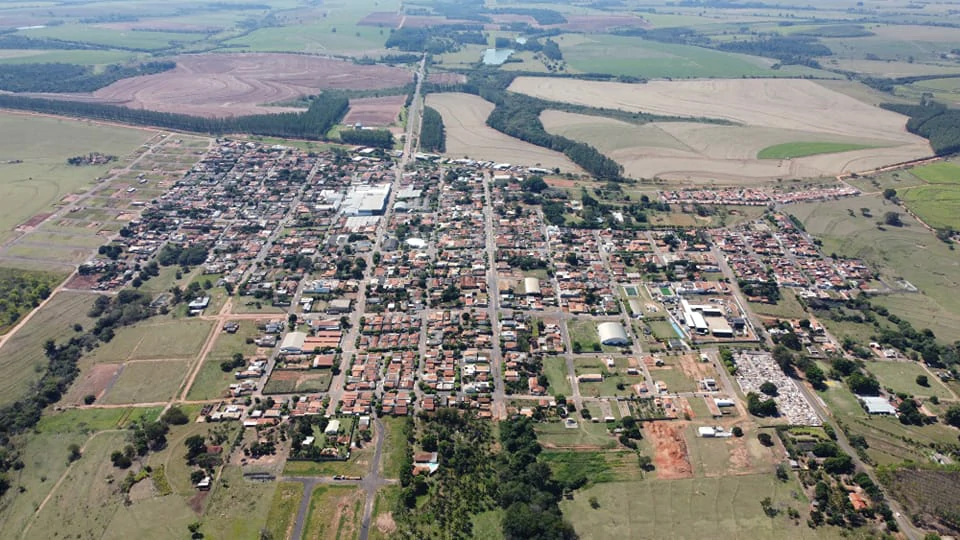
[(43, 177), (395, 447), (335, 512), (722, 507), (902, 377), (87, 57), (147, 382), (133, 40), (937, 205), (801, 149), (555, 368), (211, 381), (155, 339), (597, 467), (633, 56), (910, 252), (283, 510), (586, 434), (942, 172), (22, 358)]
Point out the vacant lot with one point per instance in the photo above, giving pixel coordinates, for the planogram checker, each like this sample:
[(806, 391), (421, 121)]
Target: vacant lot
[(238, 84), (286, 501), (465, 116), (155, 340), (147, 382), (902, 377), (375, 111), (722, 507), (43, 146), (335, 512), (767, 112)]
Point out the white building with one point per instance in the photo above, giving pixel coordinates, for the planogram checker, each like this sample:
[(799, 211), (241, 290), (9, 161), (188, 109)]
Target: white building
[(612, 333)]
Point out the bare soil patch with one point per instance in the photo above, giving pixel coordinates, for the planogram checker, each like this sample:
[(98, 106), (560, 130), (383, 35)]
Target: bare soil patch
[(375, 111), (94, 381), (33, 221), (465, 116), (670, 450), (385, 523), (219, 85)]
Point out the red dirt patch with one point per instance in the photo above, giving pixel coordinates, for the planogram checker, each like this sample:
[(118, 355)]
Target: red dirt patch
[(376, 111), (670, 450), (34, 221), (560, 182), (383, 19), (218, 85)]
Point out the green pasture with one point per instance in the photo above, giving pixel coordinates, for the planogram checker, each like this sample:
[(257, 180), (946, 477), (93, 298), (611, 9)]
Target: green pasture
[(801, 149)]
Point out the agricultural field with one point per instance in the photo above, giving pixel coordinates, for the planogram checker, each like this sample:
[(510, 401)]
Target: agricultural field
[(464, 118), (910, 252), (238, 84), (42, 177), (726, 506), (375, 111), (633, 56), (764, 113), (803, 149)]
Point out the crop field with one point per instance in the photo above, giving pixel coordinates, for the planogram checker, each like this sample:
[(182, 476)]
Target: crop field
[(925, 491), (937, 205), (335, 512), (633, 56), (375, 111), (238, 84), (147, 382), (464, 118), (910, 252), (22, 356), (87, 57), (942, 172), (902, 377), (898, 43), (803, 149), (154, 341), (766, 112), (44, 177), (722, 507)]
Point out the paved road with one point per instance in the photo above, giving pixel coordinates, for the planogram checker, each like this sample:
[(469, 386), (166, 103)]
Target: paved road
[(499, 411)]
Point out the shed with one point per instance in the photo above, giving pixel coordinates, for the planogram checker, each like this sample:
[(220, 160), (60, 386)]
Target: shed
[(877, 405), (531, 286)]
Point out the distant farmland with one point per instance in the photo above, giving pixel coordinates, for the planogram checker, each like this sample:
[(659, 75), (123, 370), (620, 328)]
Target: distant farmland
[(794, 113)]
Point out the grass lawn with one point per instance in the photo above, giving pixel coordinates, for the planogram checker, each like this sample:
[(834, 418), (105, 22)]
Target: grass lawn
[(146, 382), (902, 377), (586, 434), (721, 507), (489, 525), (583, 331), (597, 467), (22, 358), (44, 177), (801, 149), (352, 467), (93, 420), (335, 512), (155, 339), (283, 510), (555, 368), (675, 379)]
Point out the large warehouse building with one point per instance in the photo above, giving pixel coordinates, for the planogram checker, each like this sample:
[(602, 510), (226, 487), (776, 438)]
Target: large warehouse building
[(612, 333)]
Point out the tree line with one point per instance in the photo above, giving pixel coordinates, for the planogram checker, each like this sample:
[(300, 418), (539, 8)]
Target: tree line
[(432, 134), (324, 112), (378, 138), (799, 50), (60, 77), (933, 121)]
